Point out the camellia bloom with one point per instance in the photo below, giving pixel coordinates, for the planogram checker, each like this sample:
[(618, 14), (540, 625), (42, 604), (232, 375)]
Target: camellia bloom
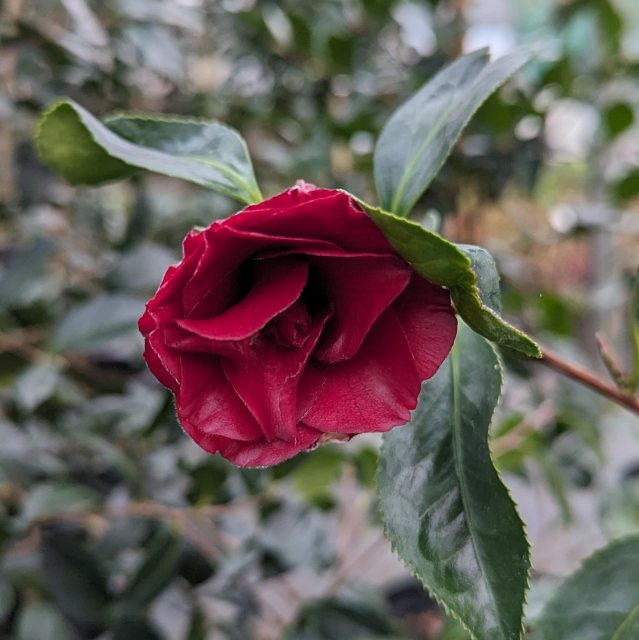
[(291, 323)]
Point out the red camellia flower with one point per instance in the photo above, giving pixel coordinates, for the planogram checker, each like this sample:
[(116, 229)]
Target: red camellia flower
[(291, 323)]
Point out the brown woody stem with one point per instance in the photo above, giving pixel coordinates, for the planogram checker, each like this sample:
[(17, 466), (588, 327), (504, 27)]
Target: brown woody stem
[(586, 378)]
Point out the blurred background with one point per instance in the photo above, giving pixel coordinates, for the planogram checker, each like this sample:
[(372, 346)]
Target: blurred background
[(113, 524)]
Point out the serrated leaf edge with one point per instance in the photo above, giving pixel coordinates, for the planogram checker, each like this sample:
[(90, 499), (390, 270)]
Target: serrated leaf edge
[(466, 283), (591, 559), (474, 292), (413, 571)]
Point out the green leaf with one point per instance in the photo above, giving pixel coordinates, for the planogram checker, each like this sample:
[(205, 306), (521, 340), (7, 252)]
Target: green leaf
[(158, 568), (90, 326), (42, 621), (316, 474), (420, 135), (36, 384), (468, 272), (194, 567), (197, 626), (74, 576), (341, 617), (627, 188), (85, 151), (24, 273), (431, 255), (134, 626), (617, 118), (50, 498), (445, 509), (480, 305), (485, 269), (598, 602), (142, 268)]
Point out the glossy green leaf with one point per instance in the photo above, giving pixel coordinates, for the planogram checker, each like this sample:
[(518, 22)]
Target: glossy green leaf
[(627, 188), (314, 477), (142, 268), (49, 498), (159, 566), (197, 626), (42, 621), (344, 617), (485, 269), (617, 118), (74, 576), (469, 272), (134, 626), (445, 509), (89, 326), (194, 567), (24, 272), (598, 602), (85, 151), (36, 384), (420, 135), (480, 305)]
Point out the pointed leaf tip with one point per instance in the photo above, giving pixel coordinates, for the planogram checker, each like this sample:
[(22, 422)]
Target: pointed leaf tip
[(85, 151), (420, 135)]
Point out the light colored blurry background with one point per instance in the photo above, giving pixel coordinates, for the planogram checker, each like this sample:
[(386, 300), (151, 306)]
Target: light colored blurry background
[(112, 523)]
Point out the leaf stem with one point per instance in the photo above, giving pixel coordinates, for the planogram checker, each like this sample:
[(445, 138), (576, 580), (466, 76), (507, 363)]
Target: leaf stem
[(584, 377)]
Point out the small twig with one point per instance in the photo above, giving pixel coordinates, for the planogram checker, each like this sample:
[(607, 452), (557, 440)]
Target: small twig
[(614, 368), (147, 510), (584, 377)]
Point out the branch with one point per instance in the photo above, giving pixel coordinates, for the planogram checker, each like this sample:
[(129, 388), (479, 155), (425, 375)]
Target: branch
[(587, 379)]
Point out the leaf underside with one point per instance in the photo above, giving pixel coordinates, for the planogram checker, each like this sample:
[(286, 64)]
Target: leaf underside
[(468, 272)]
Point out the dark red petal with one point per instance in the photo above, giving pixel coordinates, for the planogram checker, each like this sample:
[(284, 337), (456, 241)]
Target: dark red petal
[(266, 377), (359, 289), (322, 214), (215, 280), (163, 362), (146, 323), (167, 301), (279, 283), (373, 391), (301, 192), (429, 322), (207, 405), (260, 453)]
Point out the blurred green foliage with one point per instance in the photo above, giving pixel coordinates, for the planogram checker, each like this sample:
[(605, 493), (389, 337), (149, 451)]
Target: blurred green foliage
[(112, 523)]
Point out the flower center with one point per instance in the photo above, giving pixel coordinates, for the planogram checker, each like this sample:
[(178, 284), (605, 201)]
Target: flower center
[(291, 328)]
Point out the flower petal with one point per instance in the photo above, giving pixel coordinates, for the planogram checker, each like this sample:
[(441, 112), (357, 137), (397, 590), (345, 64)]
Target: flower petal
[(323, 214), (167, 302), (260, 453), (226, 250), (359, 289), (207, 404), (278, 285), (373, 391), (163, 361), (429, 322), (266, 377)]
